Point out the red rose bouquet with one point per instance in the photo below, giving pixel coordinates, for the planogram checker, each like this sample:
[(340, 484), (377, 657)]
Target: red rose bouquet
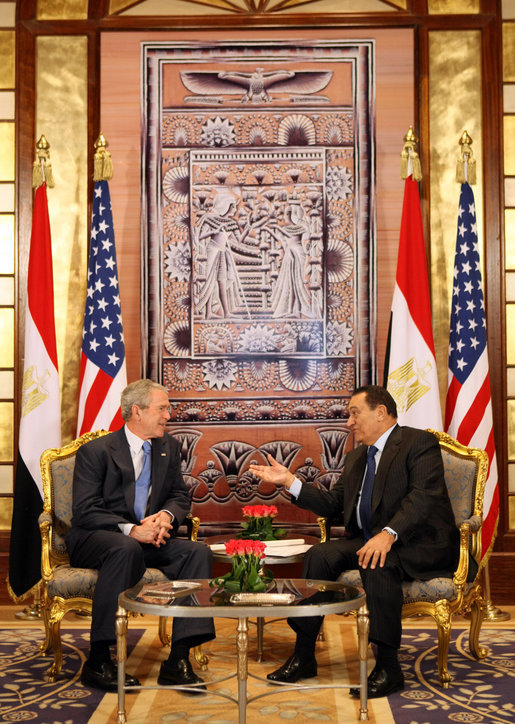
[(247, 573), (258, 523)]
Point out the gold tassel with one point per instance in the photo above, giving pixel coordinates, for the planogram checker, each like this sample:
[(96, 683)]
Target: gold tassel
[(408, 154), (42, 168), (102, 163), (466, 164)]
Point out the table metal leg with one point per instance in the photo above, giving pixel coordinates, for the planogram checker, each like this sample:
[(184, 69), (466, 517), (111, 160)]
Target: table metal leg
[(121, 657), (363, 628), (242, 644), (260, 624)]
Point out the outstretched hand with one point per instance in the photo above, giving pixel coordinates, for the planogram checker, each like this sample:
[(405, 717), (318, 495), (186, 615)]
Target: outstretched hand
[(273, 473)]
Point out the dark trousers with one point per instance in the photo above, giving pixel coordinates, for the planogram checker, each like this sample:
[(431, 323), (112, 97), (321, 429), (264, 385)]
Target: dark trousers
[(383, 588), (121, 562)]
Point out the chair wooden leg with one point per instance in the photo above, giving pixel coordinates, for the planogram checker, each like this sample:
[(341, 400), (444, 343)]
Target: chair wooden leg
[(443, 623), (201, 658), (46, 646), (54, 634), (477, 610)]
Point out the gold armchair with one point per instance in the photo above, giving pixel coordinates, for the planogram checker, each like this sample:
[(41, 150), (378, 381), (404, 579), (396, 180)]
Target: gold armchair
[(466, 471), (66, 588)]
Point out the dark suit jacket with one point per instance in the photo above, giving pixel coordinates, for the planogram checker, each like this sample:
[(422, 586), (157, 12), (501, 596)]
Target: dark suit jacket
[(409, 496), (104, 484)]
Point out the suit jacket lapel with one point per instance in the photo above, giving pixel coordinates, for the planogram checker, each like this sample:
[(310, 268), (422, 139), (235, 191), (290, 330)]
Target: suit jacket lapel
[(355, 479), (122, 458), (390, 451)]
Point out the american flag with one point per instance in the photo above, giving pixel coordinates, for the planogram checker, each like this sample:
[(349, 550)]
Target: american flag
[(103, 374), (468, 409)]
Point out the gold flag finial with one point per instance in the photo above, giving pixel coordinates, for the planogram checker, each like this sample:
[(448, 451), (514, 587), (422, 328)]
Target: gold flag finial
[(42, 168), (102, 163), (466, 165), (409, 156)]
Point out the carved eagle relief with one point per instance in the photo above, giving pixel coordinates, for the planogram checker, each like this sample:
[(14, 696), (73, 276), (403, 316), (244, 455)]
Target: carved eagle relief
[(256, 86)]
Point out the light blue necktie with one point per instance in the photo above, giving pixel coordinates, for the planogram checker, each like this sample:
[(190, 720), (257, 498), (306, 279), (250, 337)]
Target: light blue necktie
[(365, 504), (143, 483)]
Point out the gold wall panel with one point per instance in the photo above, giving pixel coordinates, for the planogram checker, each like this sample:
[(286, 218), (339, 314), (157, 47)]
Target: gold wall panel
[(7, 337), (6, 483), (509, 191), (511, 429), (454, 106), (509, 233), (7, 15), (510, 376), (6, 431), (440, 7), (6, 243), (6, 294), (61, 102), (6, 151), (510, 287), (509, 145), (7, 59), (510, 338), (508, 52), (62, 9), (6, 514), (6, 197), (511, 502), (7, 105), (6, 384)]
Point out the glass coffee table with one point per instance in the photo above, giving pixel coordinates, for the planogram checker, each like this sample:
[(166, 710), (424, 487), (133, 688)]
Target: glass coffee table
[(287, 597)]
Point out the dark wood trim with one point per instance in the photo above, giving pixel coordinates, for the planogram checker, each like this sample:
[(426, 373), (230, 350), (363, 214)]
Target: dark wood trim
[(25, 148), (252, 22), (491, 71), (502, 580)]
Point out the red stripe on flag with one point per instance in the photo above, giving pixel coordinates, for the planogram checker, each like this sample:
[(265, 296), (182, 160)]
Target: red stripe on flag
[(450, 402), (40, 280), (117, 420), (83, 364), (95, 399), (475, 414), (412, 277)]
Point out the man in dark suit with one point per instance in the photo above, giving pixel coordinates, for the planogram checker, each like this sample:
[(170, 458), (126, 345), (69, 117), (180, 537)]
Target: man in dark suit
[(114, 475), (399, 526)]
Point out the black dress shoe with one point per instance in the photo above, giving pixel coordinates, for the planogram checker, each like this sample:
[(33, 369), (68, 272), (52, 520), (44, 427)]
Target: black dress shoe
[(294, 669), (179, 673), (106, 678), (379, 683)]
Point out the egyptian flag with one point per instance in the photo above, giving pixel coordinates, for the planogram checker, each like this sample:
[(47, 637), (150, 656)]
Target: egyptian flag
[(40, 409)]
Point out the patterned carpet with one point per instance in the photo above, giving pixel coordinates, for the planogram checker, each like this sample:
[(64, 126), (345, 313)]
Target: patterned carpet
[(481, 692)]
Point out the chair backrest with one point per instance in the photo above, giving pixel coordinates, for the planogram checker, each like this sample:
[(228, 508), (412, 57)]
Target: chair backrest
[(57, 466), (465, 470)]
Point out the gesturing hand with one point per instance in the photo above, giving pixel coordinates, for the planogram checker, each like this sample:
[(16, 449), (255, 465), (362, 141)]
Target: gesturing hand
[(273, 473)]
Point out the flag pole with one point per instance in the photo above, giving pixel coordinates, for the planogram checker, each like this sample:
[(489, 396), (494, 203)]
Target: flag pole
[(466, 173)]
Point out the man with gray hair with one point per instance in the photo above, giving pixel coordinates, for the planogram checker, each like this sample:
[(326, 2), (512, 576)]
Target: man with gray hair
[(129, 498)]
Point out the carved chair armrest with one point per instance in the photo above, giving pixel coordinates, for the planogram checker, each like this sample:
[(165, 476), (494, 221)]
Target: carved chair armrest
[(325, 529), (45, 527), (475, 522), (469, 527), (192, 526)]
